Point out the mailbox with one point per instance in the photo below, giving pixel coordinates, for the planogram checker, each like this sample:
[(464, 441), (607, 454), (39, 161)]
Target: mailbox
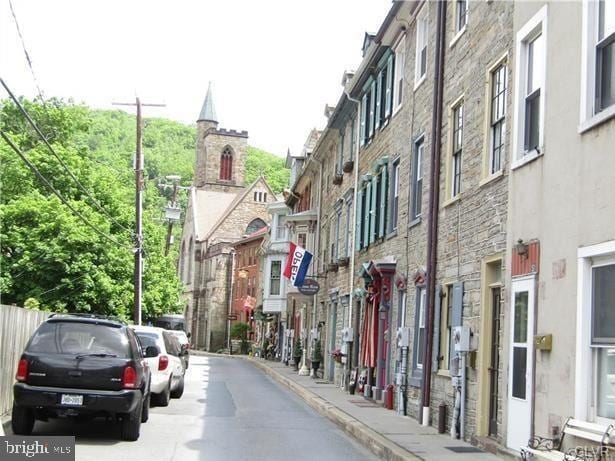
[(543, 342)]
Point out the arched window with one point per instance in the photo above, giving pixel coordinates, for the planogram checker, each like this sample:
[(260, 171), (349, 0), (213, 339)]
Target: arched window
[(190, 261), (226, 164), (182, 261), (255, 225)]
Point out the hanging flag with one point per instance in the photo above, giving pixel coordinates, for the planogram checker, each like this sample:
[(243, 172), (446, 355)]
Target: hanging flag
[(297, 264)]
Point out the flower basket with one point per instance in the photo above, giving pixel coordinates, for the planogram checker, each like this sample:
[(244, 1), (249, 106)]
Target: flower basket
[(348, 166), (337, 355)]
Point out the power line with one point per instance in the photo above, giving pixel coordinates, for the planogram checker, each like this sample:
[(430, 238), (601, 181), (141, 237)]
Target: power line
[(58, 194), (52, 150), (25, 50)]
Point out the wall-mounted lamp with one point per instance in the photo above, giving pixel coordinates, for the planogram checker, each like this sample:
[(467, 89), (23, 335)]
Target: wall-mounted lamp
[(521, 247)]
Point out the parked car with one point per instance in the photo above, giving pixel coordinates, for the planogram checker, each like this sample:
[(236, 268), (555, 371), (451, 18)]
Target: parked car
[(82, 366), (167, 365), (184, 342)]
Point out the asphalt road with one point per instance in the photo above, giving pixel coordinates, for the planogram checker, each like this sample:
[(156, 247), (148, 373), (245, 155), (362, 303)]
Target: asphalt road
[(230, 411)]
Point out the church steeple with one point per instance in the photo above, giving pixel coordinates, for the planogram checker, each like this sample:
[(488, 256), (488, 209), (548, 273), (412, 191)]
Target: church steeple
[(208, 111)]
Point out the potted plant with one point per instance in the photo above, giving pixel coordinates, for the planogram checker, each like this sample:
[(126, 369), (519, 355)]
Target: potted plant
[(343, 262), (337, 355), (348, 166), (338, 178), (297, 352), (332, 267), (316, 356)]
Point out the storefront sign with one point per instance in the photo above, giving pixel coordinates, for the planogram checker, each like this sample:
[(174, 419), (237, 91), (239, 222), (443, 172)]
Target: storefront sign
[(310, 287)]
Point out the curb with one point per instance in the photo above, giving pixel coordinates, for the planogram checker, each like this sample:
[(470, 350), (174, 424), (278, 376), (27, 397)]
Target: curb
[(375, 442)]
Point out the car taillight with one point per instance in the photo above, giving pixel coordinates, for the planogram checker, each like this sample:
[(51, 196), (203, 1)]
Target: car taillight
[(22, 370), (129, 379), (163, 362)]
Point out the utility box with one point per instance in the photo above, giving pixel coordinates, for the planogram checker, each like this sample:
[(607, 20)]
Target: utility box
[(461, 338), (347, 334)]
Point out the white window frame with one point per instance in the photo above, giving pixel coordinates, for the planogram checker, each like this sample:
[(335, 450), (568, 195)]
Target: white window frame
[(589, 118), (398, 71), (459, 32), (281, 279), (588, 257), (421, 307), (422, 39), (534, 27)]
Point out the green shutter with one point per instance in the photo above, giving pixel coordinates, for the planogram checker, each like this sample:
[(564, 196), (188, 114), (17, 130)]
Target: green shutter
[(372, 210), (435, 351), (358, 217), (389, 87), (366, 214), (383, 202), (363, 117), (378, 98), (372, 104)]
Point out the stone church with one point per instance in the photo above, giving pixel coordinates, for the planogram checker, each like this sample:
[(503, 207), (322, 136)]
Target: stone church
[(221, 210)]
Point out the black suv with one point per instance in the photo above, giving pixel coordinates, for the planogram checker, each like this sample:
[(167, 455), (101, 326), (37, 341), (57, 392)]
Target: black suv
[(83, 366)]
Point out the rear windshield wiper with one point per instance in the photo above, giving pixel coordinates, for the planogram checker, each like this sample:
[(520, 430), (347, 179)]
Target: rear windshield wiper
[(101, 354)]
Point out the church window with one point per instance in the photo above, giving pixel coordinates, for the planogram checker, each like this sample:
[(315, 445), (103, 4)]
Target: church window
[(226, 164), (255, 225)]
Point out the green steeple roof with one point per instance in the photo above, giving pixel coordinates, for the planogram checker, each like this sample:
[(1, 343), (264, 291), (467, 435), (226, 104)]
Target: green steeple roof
[(208, 112)]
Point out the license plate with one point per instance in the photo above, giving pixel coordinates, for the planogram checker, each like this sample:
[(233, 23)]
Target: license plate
[(70, 399)]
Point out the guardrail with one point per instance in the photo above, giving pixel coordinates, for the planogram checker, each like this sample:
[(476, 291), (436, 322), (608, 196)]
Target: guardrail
[(16, 326)]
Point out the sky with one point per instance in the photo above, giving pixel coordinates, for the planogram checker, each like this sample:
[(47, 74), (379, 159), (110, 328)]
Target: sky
[(274, 64)]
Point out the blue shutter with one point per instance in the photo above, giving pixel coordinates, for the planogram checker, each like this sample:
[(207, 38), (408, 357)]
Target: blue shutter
[(363, 117), (358, 217), (366, 214), (457, 314), (378, 98), (389, 87), (372, 104), (435, 356), (372, 209), (383, 201)]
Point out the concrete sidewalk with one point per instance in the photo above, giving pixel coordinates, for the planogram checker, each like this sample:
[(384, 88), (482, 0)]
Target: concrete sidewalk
[(388, 435)]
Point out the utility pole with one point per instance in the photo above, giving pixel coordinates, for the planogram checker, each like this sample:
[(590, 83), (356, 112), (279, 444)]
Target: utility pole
[(139, 185)]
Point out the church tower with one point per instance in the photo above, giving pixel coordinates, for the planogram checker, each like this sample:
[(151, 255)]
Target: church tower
[(220, 153)]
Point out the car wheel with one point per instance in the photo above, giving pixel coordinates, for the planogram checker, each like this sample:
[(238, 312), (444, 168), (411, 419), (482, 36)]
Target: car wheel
[(164, 397), (179, 390), (22, 420), (131, 424), (145, 411)]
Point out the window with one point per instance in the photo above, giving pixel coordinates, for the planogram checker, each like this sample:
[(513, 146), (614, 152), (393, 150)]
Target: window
[(417, 178), (302, 240), (340, 155), (421, 51), (395, 202), (364, 112), (497, 118), (347, 232), (457, 149), (595, 354), (338, 223), (400, 58), (274, 278), (420, 327), (352, 145), (372, 109), (226, 164), (461, 15), (605, 56), (530, 82), (255, 225), (534, 78)]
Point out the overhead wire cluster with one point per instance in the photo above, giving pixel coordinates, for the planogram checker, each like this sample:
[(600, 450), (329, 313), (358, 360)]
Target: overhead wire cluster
[(5, 136)]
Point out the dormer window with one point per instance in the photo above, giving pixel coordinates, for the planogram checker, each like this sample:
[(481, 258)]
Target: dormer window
[(226, 164)]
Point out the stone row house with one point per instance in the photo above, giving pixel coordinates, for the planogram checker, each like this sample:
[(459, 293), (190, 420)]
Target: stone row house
[(459, 207)]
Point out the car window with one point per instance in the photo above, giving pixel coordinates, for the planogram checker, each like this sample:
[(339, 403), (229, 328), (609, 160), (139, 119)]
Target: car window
[(147, 339), (170, 343), (134, 344), (79, 338)]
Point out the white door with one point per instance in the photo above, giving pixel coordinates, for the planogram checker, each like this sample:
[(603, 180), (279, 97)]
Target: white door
[(521, 364)]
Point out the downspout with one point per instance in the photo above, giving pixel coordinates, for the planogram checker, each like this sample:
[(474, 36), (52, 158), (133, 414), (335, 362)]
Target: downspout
[(317, 246), (355, 340), (434, 204)]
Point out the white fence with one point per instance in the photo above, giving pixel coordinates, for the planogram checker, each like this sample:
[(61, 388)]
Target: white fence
[(16, 326)]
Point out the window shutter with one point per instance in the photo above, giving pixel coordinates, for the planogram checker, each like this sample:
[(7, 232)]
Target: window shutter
[(378, 99), (352, 142), (457, 313), (372, 103), (372, 210), (383, 202), (366, 214), (363, 117), (435, 356), (357, 221), (389, 86)]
